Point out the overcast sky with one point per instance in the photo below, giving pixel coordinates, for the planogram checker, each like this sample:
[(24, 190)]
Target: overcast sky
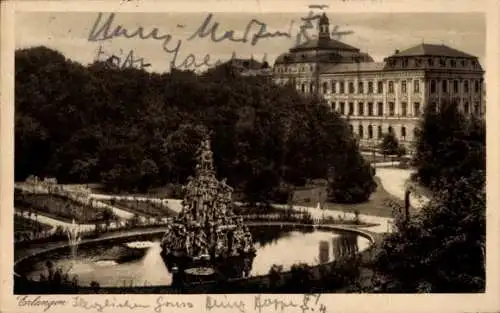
[(378, 34)]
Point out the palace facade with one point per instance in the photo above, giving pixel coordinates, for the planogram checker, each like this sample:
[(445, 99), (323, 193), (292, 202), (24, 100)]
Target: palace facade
[(381, 97)]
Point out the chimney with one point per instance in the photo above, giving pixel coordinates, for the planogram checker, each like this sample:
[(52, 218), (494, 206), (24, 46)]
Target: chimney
[(396, 51)]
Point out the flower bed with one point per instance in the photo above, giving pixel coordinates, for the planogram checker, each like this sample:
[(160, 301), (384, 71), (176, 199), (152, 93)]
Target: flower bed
[(22, 224), (142, 207), (59, 207)]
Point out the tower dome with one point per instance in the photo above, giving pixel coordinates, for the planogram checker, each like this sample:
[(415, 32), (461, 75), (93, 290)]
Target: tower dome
[(324, 27)]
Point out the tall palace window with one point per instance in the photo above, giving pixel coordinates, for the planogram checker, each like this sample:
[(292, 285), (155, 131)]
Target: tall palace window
[(433, 86), (370, 87), (455, 86), (334, 84), (342, 87), (351, 108), (416, 86), (404, 108), (403, 86), (370, 108), (416, 108), (351, 87), (444, 85), (391, 87), (361, 108), (391, 108), (361, 87), (380, 109), (380, 87)]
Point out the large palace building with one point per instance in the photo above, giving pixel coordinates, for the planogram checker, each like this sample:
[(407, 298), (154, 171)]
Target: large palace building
[(381, 97)]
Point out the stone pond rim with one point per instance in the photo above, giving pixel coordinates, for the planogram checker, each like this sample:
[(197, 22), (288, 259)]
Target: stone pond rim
[(339, 228)]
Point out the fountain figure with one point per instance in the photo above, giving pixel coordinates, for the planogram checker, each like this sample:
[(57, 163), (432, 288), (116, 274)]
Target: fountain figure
[(74, 238), (207, 234)]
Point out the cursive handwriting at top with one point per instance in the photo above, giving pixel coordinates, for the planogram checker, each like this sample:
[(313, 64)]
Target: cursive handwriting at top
[(115, 61), (104, 28), (208, 27), (106, 32), (335, 33)]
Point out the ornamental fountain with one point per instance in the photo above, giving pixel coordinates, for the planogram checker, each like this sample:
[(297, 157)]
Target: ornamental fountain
[(74, 238), (207, 240)]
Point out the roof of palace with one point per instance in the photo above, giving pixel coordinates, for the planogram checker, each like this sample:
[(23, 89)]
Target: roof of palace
[(353, 67), (323, 56), (245, 63), (425, 49), (323, 44)]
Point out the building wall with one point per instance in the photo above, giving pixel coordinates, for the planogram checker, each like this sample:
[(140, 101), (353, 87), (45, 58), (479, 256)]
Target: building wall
[(402, 100)]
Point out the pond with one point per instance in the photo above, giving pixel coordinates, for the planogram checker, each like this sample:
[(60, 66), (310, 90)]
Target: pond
[(136, 261)]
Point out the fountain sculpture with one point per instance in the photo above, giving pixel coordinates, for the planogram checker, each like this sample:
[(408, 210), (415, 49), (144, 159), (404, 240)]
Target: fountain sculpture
[(207, 239), (74, 238)]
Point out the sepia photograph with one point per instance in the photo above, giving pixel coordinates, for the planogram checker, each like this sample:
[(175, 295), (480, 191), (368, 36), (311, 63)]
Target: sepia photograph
[(308, 152)]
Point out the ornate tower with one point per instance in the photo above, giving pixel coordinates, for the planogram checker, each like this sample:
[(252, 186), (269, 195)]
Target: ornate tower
[(324, 28)]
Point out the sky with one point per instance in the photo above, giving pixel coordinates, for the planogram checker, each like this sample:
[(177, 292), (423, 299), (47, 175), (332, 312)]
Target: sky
[(378, 34)]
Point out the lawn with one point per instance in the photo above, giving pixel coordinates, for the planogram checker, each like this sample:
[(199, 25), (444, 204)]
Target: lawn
[(377, 205), (58, 207), (147, 208)]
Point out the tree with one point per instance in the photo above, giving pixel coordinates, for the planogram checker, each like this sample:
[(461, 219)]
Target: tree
[(441, 249), (150, 126), (449, 145), (351, 180), (149, 174), (390, 145)]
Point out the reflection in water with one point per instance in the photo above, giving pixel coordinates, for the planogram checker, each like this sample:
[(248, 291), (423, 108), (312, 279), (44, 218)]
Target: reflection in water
[(283, 246), (324, 251)]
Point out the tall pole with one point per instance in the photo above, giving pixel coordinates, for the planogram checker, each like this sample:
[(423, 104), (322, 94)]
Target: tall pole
[(316, 69)]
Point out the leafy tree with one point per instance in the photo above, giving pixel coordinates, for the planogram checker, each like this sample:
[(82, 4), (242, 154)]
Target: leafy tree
[(352, 180), (149, 174), (390, 145), (149, 126), (449, 145), (442, 248)]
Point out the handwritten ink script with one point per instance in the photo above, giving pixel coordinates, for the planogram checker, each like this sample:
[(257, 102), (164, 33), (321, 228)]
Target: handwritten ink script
[(105, 28), (119, 61), (263, 304), (160, 305), (39, 302), (308, 303), (104, 304)]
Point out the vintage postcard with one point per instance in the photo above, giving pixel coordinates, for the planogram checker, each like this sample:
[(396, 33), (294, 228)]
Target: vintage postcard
[(249, 156)]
